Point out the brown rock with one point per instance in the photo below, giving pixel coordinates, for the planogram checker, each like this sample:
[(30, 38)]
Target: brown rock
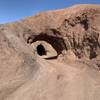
[(52, 56)]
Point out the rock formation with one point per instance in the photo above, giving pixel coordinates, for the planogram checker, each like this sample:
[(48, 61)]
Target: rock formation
[(52, 56)]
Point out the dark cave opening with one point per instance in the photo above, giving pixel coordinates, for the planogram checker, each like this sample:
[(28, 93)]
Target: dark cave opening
[(41, 50), (56, 42)]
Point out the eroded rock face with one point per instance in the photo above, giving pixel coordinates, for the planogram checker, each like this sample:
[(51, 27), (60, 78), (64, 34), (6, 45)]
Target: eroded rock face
[(52, 56)]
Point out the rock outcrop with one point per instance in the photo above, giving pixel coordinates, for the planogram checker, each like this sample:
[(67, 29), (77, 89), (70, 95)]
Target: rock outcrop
[(52, 56)]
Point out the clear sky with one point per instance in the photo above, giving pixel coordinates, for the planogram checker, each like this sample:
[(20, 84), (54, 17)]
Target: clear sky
[(12, 10)]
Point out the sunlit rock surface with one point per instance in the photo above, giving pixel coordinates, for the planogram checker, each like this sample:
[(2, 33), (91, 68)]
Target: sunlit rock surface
[(52, 56)]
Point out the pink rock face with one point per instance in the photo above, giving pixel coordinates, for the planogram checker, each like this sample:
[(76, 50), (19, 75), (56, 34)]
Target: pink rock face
[(52, 56)]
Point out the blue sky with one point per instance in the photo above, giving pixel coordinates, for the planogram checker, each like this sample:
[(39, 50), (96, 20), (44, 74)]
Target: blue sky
[(13, 10)]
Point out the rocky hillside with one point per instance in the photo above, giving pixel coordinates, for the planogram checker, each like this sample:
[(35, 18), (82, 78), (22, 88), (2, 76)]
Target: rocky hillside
[(78, 27), (69, 36)]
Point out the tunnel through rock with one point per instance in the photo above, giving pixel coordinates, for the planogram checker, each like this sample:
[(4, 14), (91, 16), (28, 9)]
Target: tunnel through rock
[(41, 50), (55, 42)]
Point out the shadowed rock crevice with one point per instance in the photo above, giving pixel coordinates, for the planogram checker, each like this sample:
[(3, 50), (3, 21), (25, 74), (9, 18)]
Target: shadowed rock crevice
[(56, 42)]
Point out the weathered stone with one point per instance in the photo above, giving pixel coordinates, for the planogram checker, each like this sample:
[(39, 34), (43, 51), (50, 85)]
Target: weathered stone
[(52, 56)]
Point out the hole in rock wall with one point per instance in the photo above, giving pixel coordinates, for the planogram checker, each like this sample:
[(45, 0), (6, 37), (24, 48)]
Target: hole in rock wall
[(41, 50), (56, 42), (44, 49)]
